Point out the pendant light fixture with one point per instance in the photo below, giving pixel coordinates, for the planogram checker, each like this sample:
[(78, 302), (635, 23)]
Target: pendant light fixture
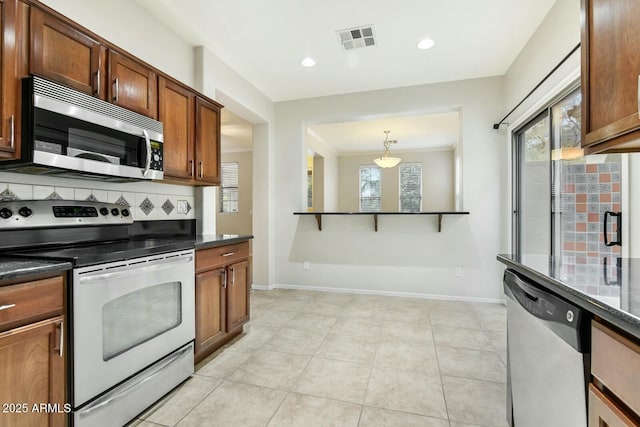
[(387, 161)]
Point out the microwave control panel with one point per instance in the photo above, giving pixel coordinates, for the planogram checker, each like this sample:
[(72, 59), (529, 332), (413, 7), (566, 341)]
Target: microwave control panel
[(156, 156)]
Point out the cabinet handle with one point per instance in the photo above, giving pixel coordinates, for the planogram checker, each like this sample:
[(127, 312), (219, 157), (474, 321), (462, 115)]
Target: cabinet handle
[(224, 277), (229, 254), (191, 167), (98, 83), (201, 169), (61, 340), (116, 90), (12, 130), (6, 306), (233, 276)]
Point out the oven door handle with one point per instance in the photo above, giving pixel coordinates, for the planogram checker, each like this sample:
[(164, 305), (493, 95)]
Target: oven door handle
[(121, 394), (98, 275)]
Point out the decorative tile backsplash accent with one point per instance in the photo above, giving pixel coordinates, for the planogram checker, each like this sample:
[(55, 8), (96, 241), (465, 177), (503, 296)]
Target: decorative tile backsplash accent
[(146, 206), (167, 206), (588, 190), (146, 201), (8, 195)]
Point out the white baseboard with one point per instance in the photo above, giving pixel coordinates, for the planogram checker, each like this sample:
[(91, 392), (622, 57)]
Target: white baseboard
[(374, 292)]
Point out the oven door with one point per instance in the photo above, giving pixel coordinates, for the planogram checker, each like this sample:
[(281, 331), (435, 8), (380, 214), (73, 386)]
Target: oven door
[(128, 315)]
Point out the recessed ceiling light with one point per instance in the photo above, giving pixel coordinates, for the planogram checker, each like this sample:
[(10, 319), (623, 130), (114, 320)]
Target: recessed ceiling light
[(308, 62), (426, 44)]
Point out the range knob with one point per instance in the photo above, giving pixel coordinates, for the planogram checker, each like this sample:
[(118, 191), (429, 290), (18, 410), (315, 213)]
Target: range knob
[(104, 211), (115, 212), (125, 212), (25, 211), (5, 213)]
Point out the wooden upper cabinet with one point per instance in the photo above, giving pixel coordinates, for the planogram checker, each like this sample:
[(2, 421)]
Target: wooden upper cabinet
[(9, 83), (207, 142), (191, 134), (610, 75), (64, 54), (176, 105), (132, 85)]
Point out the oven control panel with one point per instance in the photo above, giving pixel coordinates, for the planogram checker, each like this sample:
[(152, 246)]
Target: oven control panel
[(61, 213)]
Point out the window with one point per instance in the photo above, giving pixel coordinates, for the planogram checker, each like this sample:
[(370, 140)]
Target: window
[(560, 196), (410, 187), (229, 187), (370, 189)]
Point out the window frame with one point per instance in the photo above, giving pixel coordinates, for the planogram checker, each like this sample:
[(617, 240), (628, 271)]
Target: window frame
[(400, 185), (360, 186), (229, 187)]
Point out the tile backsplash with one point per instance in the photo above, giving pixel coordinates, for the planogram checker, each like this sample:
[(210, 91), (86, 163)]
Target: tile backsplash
[(146, 200)]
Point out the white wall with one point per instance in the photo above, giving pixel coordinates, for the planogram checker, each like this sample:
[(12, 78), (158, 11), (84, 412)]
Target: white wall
[(437, 181), (406, 255)]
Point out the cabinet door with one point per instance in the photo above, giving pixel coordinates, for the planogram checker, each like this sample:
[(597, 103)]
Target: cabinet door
[(210, 308), (132, 85), (610, 74), (33, 372), (9, 82), (207, 142), (63, 54), (237, 295), (176, 111)]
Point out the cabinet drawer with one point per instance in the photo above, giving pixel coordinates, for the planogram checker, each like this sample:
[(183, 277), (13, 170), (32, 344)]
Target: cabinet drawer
[(31, 301), (221, 255), (603, 412), (613, 358)]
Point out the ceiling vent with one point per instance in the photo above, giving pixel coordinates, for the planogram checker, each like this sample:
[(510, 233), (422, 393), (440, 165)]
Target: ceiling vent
[(353, 38)]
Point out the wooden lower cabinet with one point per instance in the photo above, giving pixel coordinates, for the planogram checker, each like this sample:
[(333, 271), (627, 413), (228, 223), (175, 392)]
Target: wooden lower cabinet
[(210, 309), (237, 295), (614, 394), (222, 296), (33, 354), (604, 412)]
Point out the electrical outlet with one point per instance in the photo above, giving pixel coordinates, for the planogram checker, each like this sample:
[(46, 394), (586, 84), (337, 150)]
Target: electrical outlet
[(457, 272), (305, 265), (182, 207)]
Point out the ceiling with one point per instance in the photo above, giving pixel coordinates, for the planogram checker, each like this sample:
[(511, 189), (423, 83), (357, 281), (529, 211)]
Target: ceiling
[(264, 41)]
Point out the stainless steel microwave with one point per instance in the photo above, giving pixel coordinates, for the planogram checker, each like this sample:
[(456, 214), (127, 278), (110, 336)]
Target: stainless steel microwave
[(70, 133)]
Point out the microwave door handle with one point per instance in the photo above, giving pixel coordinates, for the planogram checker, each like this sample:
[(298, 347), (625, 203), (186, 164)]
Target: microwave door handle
[(148, 143)]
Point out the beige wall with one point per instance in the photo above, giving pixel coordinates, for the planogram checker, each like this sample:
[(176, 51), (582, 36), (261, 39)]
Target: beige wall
[(437, 181), (239, 222)]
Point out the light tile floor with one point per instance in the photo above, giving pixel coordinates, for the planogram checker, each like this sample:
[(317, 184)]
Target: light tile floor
[(311, 358)]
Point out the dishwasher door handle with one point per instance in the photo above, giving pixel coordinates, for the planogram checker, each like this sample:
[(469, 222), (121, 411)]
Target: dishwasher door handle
[(563, 318)]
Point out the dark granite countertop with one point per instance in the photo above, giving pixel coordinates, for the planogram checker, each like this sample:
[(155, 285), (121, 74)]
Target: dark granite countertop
[(609, 289), (15, 268), (205, 241), (52, 260)]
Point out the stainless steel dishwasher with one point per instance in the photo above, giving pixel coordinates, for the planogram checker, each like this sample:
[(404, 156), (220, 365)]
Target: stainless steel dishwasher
[(547, 358)]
